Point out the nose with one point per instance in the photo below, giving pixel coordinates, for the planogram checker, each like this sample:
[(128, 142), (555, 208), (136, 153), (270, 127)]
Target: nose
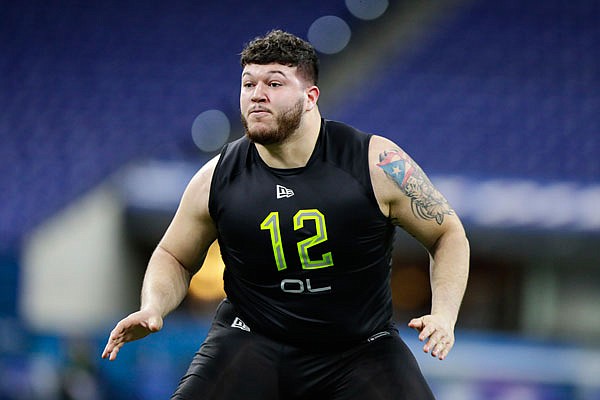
[(259, 94)]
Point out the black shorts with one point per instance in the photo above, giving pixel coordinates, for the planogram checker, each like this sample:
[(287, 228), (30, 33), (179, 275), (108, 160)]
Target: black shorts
[(234, 363)]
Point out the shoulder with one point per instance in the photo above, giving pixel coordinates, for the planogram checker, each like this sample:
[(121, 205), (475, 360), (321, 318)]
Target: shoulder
[(197, 192), (234, 157), (380, 144), (343, 142), (389, 166), (387, 160), (348, 134), (341, 129), (205, 173)]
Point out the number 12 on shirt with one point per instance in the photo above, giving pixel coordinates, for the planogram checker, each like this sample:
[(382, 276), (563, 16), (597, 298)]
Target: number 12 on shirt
[(272, 224)]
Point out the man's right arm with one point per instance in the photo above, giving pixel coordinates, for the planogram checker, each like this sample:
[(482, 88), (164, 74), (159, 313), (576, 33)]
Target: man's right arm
[(175, 260), (183, 247)]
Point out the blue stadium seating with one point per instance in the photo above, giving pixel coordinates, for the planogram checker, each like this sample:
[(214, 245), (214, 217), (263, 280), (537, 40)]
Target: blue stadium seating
[(508, 89)]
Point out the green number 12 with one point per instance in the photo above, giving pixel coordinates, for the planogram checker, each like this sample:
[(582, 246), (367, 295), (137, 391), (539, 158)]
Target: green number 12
[(271, 223)]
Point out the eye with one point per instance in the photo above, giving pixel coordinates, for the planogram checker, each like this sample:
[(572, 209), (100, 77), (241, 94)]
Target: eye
[(248, 84), (275, 84)]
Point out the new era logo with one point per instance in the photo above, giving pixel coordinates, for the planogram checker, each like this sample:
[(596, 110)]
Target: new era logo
[(238, 323), (283, 192)]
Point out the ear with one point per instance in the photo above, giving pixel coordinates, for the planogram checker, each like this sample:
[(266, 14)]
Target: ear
[(312, 96)]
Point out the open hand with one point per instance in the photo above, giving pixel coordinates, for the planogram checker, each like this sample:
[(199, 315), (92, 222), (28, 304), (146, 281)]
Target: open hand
[(438, 333), (133, 327)]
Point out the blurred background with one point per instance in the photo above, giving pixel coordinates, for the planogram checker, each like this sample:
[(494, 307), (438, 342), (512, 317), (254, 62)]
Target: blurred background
[(108, 108)]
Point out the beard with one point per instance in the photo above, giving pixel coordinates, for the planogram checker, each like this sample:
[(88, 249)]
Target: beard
[(286, 123)]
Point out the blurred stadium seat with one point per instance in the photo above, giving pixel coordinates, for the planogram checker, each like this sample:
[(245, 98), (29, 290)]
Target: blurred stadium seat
[(508, 89)]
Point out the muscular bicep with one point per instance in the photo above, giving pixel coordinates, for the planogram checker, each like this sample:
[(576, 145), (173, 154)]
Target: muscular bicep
[(406, 194), (192, 230)]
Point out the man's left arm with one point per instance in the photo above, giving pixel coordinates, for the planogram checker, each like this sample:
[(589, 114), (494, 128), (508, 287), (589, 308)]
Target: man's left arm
[(408, 197)]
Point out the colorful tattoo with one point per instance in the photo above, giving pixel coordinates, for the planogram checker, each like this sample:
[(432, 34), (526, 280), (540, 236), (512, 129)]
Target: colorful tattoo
[(426, 201)]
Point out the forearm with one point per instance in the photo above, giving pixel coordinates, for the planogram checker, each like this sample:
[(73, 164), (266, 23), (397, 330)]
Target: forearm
[(449, 273), (166, 283)]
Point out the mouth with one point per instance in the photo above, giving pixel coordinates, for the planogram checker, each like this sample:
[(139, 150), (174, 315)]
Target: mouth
[(259, 112)]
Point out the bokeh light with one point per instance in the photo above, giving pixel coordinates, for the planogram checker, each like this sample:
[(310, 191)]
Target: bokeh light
[(210, 130), (329, 34), (367, 9)]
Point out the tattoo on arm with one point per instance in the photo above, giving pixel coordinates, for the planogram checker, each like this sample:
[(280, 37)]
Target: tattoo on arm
[(426, 202)]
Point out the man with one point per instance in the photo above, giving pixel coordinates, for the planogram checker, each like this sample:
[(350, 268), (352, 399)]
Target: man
[(304, 210)]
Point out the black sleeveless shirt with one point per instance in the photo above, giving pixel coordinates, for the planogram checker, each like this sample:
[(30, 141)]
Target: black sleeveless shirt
[(307, 251)]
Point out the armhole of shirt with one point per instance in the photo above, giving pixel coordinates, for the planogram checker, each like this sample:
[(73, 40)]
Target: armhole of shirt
[(371, 188), (214, 182)]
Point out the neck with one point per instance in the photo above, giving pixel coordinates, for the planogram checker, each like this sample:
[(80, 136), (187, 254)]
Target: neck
[(297, 149)]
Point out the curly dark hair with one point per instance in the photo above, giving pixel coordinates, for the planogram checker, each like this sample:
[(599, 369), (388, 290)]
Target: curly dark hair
[(283, 48)]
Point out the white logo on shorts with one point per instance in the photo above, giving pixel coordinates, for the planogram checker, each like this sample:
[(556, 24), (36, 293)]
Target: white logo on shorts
[(378, 335), (238, 323)]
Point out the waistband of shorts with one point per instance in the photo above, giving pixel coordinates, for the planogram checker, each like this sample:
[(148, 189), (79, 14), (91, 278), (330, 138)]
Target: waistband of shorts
[(226, 315)]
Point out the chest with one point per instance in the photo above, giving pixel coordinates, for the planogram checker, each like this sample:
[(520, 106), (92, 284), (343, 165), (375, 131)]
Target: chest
[(324, 194), (302, 221)]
